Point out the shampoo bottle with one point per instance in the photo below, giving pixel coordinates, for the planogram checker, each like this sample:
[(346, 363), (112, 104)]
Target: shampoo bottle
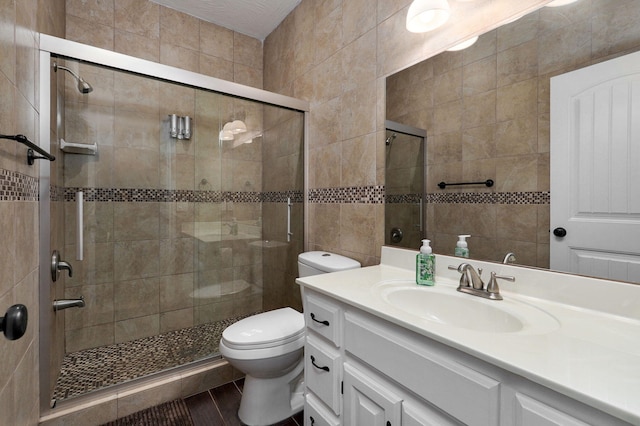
[(425, 265), (462, 249)]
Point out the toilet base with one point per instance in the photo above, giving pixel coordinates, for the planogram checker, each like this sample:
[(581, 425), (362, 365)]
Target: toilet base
[(268, 401)]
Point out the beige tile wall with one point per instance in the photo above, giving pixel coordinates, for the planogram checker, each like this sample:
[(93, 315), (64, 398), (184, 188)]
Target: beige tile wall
[(147, 30), (486, 110), (336, 54), (19, 23)]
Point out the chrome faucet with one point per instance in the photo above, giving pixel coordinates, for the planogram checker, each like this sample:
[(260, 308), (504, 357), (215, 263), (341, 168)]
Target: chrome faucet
[(509, 258), (470, 278), (471, 282), (61, 304)]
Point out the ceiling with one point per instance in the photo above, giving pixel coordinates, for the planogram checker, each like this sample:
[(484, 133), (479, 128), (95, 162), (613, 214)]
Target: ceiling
[(255, 18)]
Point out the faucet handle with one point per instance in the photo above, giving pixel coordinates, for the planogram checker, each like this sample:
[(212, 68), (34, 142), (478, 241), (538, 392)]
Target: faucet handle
[(58, 265), (493, 287)]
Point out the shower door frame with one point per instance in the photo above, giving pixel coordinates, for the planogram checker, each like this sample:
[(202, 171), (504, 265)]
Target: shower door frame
[(53, 46)]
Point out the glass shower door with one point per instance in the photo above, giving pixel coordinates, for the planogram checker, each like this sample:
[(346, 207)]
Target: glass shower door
[(182, 236)]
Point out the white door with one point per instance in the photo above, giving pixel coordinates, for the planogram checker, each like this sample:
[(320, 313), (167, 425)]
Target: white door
[(595, 170)]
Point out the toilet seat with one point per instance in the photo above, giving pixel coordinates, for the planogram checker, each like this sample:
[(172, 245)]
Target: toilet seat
[(266, 330)]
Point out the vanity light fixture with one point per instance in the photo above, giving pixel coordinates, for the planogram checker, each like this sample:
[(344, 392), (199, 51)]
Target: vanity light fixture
[(463, 45), (427, 15), (558, 3)]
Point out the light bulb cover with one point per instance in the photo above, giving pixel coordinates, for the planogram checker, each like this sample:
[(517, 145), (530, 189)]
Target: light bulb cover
[(427, 15), (238, 126), (461, 46), (226, 135)]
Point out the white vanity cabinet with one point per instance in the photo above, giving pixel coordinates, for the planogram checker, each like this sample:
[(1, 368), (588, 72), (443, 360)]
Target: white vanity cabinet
[(323, 359), (362, 370)]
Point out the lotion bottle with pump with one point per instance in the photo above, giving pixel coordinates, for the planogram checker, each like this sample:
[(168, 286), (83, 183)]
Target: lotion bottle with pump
[(462, 249), (425, 265)]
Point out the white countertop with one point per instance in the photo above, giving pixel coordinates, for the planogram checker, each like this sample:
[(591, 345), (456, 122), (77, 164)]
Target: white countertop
[(592, 355)]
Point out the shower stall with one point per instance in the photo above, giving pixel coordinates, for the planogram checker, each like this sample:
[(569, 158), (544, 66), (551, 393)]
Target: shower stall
[(173, 225)]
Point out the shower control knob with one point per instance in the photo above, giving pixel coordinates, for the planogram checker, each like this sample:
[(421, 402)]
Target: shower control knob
[(14, 322), (396, 235), (57, 265)]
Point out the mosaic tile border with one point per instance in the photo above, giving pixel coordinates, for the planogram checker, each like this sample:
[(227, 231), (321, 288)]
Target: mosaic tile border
[(16, 186), (354, 194), (402, 199), (143, 195), (56, 193), (538, 197), (375, 195), (358, 195)]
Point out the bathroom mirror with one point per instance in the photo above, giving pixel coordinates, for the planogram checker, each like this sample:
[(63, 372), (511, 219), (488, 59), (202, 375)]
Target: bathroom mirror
[(486, 111)]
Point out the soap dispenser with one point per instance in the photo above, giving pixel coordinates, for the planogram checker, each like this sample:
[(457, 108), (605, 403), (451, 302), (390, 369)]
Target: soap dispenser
[(462, 249), (425, 265)]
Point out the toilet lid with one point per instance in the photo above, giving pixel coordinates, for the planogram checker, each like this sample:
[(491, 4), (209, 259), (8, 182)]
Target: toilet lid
[(327, 262), (265, 330)]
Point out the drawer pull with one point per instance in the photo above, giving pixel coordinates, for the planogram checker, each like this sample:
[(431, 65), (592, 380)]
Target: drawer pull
[(313, 317), (313, 361), (313, 421)]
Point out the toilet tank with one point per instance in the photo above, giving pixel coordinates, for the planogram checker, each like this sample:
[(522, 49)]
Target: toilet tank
[(322, 262)]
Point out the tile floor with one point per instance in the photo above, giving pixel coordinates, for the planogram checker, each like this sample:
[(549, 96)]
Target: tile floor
[(219, 407)]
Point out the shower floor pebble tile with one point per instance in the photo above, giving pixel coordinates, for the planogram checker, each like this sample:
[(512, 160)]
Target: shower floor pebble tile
[(96, 368)]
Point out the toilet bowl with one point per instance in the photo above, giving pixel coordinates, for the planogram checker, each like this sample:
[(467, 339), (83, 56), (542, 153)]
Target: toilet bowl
[(268, 348)]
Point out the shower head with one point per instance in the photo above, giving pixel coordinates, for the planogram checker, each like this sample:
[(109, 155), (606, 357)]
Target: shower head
[(83, 86), (390, 139)]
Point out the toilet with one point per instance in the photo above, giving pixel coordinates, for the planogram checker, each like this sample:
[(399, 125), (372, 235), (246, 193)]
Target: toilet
[(268, 347)]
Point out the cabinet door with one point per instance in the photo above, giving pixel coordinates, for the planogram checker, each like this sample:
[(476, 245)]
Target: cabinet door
[(421, 415), (315, 414), (367, 401), (531, 412)]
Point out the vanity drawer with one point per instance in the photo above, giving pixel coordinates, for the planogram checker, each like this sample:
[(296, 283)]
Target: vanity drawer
[(323, 372), (316, 414), (463, 393), (324, 317)]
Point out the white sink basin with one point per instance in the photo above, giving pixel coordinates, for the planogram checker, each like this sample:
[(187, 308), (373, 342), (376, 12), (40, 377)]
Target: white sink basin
[(444, 305)]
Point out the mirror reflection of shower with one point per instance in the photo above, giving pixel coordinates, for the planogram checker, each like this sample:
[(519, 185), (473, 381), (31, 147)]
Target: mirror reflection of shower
[(405, 214), (83, 86)]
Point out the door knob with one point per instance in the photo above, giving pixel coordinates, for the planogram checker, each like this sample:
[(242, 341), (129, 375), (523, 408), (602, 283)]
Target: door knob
[(57, 265), (560, 232)]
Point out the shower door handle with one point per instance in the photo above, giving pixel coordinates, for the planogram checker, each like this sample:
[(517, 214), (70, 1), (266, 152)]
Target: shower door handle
[(289, 233)]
